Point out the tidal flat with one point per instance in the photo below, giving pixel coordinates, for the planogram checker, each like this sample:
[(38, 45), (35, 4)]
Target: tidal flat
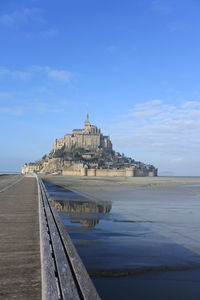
[(138, 237)]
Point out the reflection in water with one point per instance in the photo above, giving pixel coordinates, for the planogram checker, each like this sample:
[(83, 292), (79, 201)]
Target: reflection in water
[(87, 222), (83, 209)]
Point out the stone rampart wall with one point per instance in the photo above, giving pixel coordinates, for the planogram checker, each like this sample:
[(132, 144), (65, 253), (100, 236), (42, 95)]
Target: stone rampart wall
[(100, 172), (141, 173), (93, 172), (71, 173), (106, 172)]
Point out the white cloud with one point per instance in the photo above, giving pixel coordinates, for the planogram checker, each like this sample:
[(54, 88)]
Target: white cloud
[(42, 107), (160, 128), (44, 34), (21, 75), (4, 95), (16, 111), (62, 76), (16, 74), (23, 16), (31, 107), (176, 160), (32, 20), (178, 26)]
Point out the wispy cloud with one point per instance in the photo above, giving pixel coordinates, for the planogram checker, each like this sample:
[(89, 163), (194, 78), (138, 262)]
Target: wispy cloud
[(63, 76), (31, 107), (32, 20), (176, 160), (16, 111), (160, 128), (16, 74), (59, 75), (178, 26), (5, 95), (23, 16), (48, 33), (42, 107)]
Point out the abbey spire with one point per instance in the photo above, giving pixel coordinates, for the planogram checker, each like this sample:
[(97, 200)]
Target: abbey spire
[(87, 122)]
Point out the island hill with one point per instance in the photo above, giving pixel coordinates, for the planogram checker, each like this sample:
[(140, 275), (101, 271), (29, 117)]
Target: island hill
[(87, 152)]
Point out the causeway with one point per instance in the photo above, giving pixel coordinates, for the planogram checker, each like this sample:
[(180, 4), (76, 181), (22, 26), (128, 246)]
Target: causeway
[(20, 275), (37, 257)]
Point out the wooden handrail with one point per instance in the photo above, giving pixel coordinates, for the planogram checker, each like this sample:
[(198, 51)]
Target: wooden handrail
[(64, 275)]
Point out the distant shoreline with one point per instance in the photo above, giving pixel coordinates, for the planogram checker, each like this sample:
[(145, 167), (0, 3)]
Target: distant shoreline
[(9, 173)]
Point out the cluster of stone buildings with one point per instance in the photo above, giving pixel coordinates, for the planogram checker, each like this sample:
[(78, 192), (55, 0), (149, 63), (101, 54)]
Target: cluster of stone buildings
[(89, 138), (87, 152)]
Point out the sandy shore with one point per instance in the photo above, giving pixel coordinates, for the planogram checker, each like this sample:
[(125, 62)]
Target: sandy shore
[(127, 180), (92, 184)]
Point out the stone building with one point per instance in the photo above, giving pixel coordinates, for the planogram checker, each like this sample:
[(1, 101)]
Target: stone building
[(89, 138), (30, 168)]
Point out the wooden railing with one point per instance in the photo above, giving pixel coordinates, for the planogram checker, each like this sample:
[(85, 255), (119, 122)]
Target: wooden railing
[(63, 274)]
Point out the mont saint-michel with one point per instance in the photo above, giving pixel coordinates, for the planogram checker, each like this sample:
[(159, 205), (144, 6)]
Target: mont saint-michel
[(87, 152)]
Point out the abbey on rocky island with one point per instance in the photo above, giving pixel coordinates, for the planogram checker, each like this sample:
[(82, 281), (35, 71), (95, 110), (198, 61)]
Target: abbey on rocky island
[(87, 152), (89, 138)]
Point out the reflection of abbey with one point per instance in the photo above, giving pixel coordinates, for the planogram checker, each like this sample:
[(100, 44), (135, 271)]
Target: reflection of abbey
[(80, 211), (89, 138), (87, 152)]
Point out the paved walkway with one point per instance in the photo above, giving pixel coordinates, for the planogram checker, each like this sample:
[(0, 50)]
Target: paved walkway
[(7, 180), (19, 242)]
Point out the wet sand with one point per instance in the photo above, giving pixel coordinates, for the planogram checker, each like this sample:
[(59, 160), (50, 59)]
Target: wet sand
[(136, 234), (113, 181)]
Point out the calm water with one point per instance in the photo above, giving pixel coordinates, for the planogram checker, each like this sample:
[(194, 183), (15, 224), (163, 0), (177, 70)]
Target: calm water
[(137, 244)]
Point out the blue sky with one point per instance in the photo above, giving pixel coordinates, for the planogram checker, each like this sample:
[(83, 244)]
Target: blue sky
[(134, 65)]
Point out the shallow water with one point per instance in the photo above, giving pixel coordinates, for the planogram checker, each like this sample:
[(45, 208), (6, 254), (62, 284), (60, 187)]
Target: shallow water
[(139, 243)]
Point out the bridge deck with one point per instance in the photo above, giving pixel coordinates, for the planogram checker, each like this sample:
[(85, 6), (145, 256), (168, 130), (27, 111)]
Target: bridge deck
[(19, 247)]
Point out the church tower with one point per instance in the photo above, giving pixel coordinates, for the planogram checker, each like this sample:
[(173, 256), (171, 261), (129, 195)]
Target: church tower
[(87, 125), (87, 119)]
